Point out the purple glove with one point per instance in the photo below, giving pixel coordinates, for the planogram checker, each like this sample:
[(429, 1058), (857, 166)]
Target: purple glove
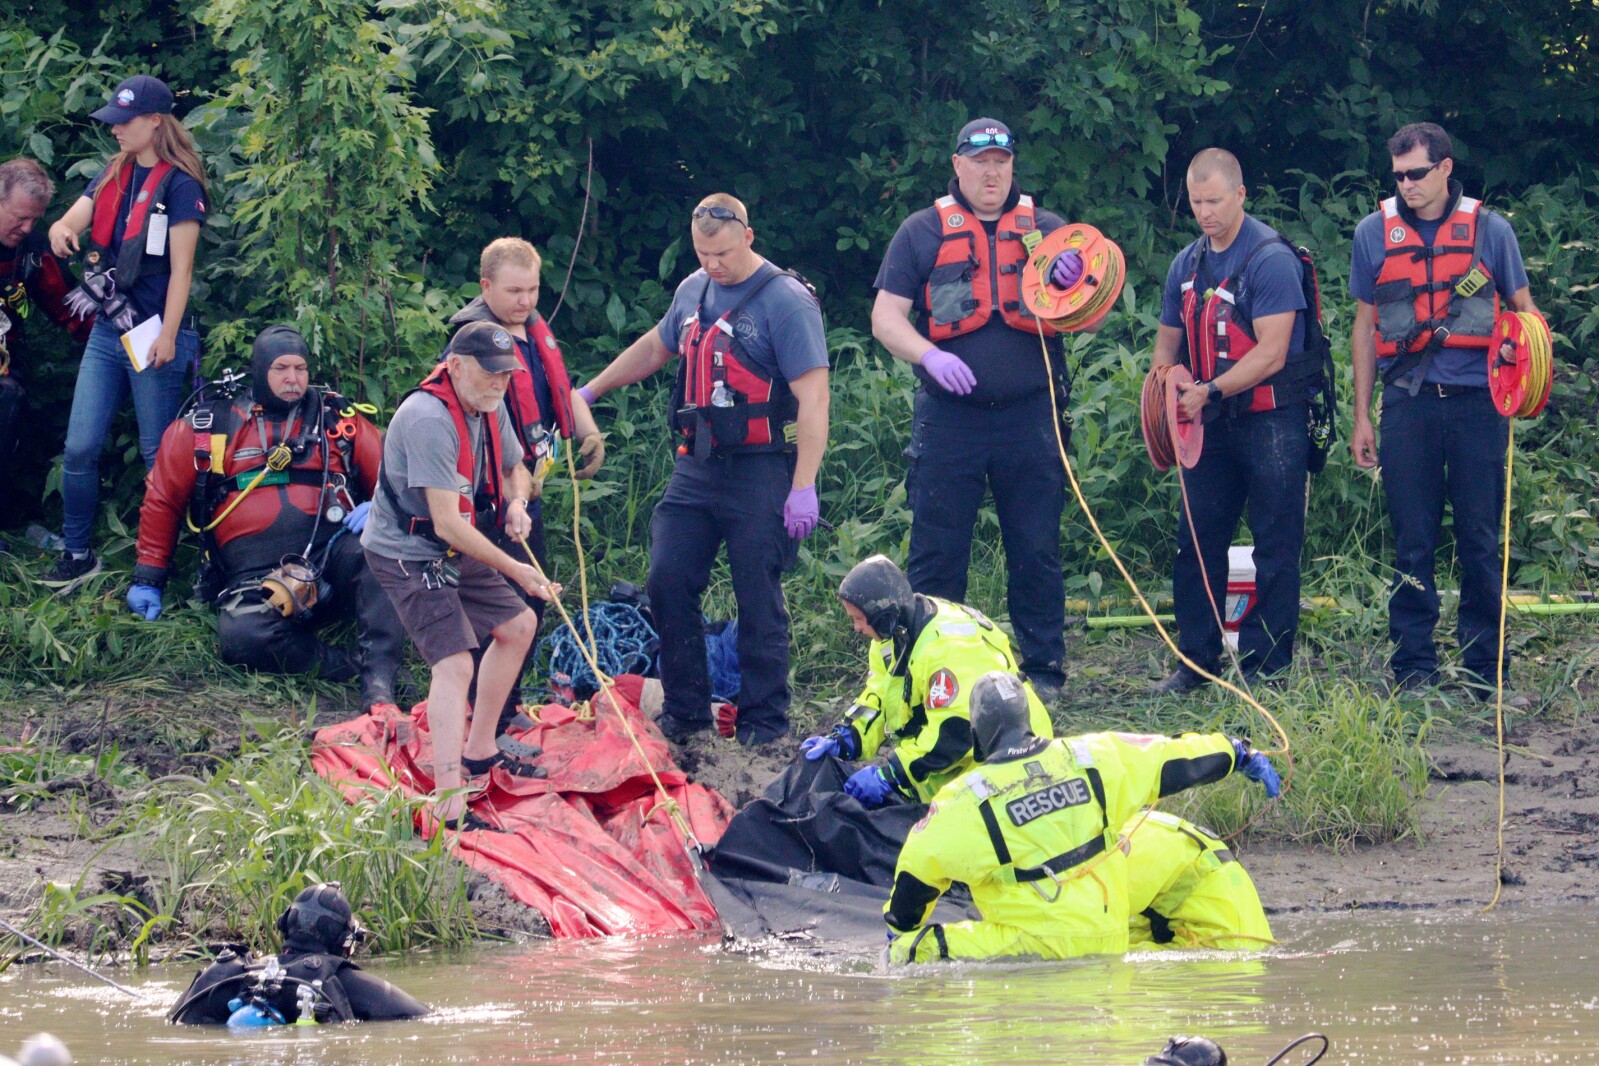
[(1068, 269), (801, 511), (951, 374), (819, 748), (869, 786), (587, 394)]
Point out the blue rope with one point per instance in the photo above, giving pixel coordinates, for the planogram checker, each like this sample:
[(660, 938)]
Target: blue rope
[(623, 641)]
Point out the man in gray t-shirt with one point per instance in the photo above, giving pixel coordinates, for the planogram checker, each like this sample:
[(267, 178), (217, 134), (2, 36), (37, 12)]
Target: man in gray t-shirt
[(750, 418), (447, 471)]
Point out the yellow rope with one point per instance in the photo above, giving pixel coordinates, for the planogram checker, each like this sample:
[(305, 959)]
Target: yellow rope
[(278, 459), (1077, 491), (673, 810), (1499, 671)]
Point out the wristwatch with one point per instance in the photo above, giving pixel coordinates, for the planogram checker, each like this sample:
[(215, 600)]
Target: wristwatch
[(1212, 392)]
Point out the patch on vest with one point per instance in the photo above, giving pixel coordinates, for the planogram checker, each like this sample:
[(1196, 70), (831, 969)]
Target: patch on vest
[(1396, 235), (942, 688), (1034, 805), (957, 219), (549, 340), (1459, 231)]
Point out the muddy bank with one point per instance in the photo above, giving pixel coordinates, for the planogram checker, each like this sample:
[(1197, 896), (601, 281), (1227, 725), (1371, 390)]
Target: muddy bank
[(1551, 809)]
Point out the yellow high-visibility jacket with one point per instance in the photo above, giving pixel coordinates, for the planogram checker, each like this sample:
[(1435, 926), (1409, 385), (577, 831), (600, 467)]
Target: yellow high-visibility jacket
[(1186, 890)]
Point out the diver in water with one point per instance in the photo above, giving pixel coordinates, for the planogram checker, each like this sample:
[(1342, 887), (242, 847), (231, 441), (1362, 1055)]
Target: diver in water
[(1189, 1051), (311, 981)]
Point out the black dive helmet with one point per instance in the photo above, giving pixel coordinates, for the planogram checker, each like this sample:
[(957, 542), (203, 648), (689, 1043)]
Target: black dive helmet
[(1002, 721), (881, 591), (270, 343), (1189, 1051), (319, 920)]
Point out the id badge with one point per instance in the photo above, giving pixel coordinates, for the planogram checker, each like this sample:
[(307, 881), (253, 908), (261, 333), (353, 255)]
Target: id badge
[(155, 238)]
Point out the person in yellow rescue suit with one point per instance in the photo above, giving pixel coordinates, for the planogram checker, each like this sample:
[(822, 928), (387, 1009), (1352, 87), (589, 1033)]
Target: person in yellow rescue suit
[(1033, 832), (1186, 890), (925, 654)]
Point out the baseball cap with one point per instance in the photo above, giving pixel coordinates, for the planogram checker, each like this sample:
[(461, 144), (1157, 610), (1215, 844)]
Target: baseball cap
[(981, 134), (142, 94), (488, 343)]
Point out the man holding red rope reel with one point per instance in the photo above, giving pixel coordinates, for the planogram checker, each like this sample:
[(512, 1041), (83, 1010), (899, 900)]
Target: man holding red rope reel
[(1234, 317), (1428, 274)]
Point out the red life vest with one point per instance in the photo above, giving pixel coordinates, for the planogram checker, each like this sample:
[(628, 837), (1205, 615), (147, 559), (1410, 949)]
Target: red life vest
[(522, 402), (721, 403), (965, 286), (475, 504), (1431, 296), (1218, 335), (132, 262)]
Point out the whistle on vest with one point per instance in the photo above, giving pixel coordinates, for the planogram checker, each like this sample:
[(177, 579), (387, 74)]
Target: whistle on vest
[(1473, 283)]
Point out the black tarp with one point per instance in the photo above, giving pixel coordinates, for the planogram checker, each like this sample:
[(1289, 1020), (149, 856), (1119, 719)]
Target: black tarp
[(806, 860)]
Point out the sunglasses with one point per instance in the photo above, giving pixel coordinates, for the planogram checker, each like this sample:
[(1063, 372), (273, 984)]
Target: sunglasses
[(722, 214), (1415, 173), (990, 140)]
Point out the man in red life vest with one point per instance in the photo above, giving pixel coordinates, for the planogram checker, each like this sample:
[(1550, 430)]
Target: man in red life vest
[(750, 419), (983, 419), (1431, 270), (541, 403), (280, 470), (452, 469), (1234, 314), (31, 275)]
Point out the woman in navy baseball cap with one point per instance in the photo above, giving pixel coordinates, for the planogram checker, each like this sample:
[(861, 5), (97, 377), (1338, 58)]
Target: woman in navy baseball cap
[(143, 215)]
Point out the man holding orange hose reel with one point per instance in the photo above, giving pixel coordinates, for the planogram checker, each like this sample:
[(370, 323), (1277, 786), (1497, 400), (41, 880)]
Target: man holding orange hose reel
[(1429, 271)]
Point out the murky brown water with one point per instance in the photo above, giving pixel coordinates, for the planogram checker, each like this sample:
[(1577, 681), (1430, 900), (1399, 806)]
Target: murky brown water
[(1388, 988)]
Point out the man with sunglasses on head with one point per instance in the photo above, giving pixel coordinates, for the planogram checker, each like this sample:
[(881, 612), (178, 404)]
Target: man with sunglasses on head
[(983, 417), (749, 417), (1430, 272)]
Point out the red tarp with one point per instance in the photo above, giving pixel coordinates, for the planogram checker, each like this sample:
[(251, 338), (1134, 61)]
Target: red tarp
[(590, 846)]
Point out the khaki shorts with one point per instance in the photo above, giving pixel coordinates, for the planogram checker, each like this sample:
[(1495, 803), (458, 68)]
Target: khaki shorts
[(448, 620)]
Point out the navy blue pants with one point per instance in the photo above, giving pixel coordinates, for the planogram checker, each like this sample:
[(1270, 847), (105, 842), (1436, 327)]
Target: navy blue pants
[(737, 501), (1436, 448), (1258, 460), (959, 451)]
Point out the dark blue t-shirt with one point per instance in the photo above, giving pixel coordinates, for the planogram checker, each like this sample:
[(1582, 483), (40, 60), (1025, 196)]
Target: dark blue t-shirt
[(1006, 362), (185, 202), (779, 329), (1501, 254), (1271, 283)]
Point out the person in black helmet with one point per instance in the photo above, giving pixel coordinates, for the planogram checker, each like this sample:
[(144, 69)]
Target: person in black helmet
[(1033, 832), (925, 654), (312, 970), (1188, 1051)]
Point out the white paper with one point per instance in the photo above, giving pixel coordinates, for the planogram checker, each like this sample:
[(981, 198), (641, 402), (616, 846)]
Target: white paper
[(155, 237), (139, 341)]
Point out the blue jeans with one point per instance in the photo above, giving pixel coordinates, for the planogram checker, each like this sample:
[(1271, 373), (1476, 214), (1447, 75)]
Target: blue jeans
[(1436, 448), (1259, 459), (105, 379), (959, 452)]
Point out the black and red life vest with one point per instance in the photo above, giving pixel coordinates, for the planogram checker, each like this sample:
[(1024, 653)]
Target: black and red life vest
[(479, 505), (722, 402), (131, 261), (1218, 335), (1433, 296), (964, 286), (521, 399)]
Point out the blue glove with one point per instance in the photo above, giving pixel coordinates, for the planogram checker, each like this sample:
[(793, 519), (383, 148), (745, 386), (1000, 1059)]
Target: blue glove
[(1068, 269), (1255, 766), (819, 747), (869, 786), (355, 521), (145, 600)]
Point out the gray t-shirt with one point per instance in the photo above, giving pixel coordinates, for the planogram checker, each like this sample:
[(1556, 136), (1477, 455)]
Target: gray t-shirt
[(780, 329), (420, 450)]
